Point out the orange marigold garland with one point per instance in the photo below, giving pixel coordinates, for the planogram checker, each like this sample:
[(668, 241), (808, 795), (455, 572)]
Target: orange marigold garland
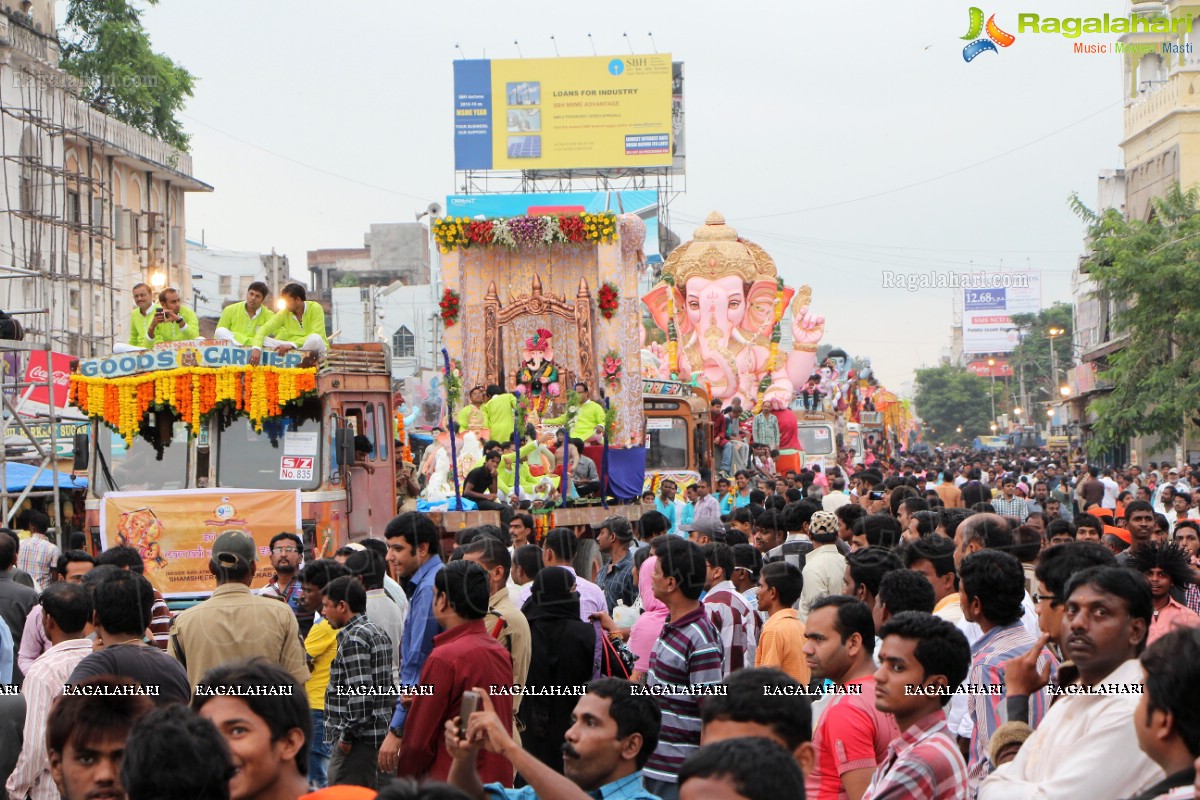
[(193, 393)]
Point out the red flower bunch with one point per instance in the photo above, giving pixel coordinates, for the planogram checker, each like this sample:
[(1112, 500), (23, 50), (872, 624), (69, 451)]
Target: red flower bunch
[(449, 307), (608, 299), (573, 228), (479, 232)]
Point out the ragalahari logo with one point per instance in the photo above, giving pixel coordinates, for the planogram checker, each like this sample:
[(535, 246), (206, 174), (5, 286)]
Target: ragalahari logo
[(995, 36)]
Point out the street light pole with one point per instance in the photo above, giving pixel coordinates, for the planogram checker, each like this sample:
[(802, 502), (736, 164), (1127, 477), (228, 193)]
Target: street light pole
[(992, 373)]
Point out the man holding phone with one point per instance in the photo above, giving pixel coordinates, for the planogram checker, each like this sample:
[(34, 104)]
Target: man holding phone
[(173, 322), (613, 732), (464, 656)]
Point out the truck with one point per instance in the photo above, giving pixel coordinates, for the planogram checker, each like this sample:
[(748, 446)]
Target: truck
[(678, 434), (309, 446), (818, 433)]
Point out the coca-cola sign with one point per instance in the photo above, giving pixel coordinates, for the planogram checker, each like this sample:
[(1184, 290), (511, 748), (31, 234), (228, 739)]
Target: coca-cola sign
[(36, 371)]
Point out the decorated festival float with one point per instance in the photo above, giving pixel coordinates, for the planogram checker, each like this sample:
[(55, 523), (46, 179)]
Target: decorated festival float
[(536, 305), (190, 440)]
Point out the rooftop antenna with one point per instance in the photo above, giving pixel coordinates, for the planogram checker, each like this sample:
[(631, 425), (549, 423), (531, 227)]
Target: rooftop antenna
[(460, 52), (653, 46), (518, 45), (629, 42), (593, 41), (555, 44)]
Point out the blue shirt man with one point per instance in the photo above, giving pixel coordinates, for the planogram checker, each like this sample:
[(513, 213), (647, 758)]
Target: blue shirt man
[(413, 551)]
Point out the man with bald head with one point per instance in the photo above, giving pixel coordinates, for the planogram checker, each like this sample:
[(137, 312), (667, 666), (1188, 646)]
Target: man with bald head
[(979, 532)]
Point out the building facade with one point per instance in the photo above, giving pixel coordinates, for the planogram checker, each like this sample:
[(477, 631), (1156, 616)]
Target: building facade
[(91, 205), (1160, 147), (404, 317), (220, 277), (392, 252)]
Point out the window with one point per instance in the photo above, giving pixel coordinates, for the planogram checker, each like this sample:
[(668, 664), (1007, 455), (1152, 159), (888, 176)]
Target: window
[(74, 298), (225, 285), (72, 209), (247, 459), (141, 467), (404, 344), (817, 440), (666, 444)]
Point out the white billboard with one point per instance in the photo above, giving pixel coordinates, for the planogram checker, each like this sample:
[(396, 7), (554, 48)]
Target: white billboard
[(988, 306)]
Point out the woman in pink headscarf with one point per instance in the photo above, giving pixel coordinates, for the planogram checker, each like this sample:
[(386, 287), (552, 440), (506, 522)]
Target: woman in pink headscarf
[(648, 628)]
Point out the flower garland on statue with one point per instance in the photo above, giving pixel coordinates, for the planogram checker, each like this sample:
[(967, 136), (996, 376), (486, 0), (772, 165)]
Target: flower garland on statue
[(455, 233), (608, 299), (193, 393), (449, 306), (773, 353), (672, 333)]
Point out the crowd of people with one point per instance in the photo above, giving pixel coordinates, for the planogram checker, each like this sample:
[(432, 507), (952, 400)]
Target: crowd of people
[(955, 626)]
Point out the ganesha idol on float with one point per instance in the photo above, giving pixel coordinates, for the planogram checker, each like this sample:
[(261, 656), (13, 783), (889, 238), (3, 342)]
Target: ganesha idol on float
[(724, 297)]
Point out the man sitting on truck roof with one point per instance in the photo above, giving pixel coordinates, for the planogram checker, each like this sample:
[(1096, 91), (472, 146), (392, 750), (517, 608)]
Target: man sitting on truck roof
[(139, 320), (240, 321), (174, 321), (300, 325)]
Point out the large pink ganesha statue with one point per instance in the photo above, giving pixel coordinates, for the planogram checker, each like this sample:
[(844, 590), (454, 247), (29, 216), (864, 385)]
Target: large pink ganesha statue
[(724, 301)]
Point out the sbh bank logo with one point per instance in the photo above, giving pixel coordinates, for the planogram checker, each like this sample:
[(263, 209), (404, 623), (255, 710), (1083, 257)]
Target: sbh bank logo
[(995, 36)]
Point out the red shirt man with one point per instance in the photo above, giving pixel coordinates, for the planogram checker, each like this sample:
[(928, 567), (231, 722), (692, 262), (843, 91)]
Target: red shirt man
[(463, 656), (852, 735)]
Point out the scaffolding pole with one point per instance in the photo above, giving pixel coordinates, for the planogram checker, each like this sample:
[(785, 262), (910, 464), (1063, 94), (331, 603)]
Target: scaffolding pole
[(21, 420)]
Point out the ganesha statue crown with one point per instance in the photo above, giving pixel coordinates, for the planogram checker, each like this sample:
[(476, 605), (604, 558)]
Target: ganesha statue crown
[(716, 251)]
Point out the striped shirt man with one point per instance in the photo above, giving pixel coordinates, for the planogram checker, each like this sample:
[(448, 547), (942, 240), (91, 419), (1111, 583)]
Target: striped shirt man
[(988, 654), (736, 623), (923, 763), (38, 556), (43, 683), (687, 654)]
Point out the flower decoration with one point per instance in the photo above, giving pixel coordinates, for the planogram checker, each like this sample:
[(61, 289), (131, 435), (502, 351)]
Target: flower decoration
[(611, 369), (608, 299), (450, 233), (457, 233), (449, 306), (192, 393)]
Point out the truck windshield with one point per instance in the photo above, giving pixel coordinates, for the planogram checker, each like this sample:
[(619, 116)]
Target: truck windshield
[(286, 455), (853, 441), (817, 440), (666, 444), (140, 467)]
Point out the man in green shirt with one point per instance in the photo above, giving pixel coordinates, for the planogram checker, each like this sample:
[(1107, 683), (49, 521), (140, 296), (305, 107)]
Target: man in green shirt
[(240, 321), (174, 322), (300, 325), (498, 411), (591, 415), (139, 320)]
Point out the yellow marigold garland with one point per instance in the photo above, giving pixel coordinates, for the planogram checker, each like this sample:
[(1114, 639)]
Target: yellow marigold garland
[(192, 392)]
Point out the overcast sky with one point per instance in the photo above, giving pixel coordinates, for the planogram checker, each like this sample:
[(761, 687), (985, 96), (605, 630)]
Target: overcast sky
[(819, 130)]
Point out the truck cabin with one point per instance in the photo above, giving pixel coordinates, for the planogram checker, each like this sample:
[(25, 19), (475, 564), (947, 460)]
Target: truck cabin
[(678, 434)]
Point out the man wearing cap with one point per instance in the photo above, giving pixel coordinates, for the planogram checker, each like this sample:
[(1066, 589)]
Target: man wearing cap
[(233, 623), (614, 536), (706, 531), (825, 566)]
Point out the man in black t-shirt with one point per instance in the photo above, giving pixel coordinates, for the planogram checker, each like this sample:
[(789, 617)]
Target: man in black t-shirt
[(480, 485), (123, 603)]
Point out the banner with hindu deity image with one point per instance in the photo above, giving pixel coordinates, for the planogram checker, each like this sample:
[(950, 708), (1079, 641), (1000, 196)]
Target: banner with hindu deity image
[(175, 532)]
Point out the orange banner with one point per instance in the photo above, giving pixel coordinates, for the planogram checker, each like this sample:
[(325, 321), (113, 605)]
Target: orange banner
[(175, 532)]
